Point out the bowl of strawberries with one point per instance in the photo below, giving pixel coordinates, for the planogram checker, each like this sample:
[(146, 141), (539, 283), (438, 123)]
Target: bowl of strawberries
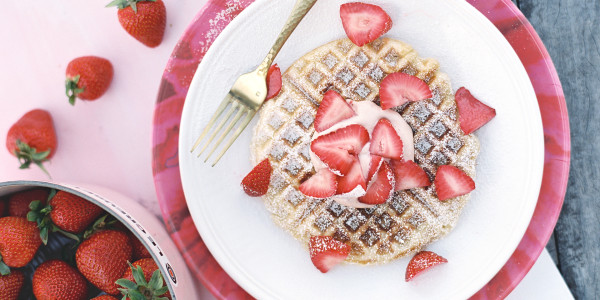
[(61, 241)]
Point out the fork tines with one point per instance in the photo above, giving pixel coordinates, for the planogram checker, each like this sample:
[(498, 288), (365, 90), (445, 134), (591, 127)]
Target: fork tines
[(235, 107)]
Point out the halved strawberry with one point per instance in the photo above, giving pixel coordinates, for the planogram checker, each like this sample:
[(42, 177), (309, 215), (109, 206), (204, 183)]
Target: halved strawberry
[(382, 187), (256, 183), (326, 252), (421, 262), (321, 185), (451, 182), (364, 23), (333, 109), (374, 166), (273, 81), (353, 179), (386, 142), (399, 88), (472, 113), (339, 149), (409, 175)]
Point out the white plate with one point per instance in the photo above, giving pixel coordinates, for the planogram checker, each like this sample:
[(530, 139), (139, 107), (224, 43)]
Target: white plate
[(269, 263)]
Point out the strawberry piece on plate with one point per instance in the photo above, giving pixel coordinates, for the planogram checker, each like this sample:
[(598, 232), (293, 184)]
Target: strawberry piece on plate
[(326, 252), (333, 109), (472, 113), (421, 262), (321, 185), (399, 88), (374, 166), (382, 187), (409, 175), (451, 182), (273, 82), (339, 149), (352, 180), (363, 22), (256, 183), (386, 142)]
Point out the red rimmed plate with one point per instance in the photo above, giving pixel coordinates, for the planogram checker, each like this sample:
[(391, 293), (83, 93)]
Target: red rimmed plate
[(217, 14)]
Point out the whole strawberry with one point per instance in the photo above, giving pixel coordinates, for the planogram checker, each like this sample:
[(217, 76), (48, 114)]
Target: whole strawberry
[(19, 240), (88, 77), (145, 20), (151, 287), (66, 213), (32, 139), (102, 259), (10, 285), (139, 250), (18, 203), (57, 280)]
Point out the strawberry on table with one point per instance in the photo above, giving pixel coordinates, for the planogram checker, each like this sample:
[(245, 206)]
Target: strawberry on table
[(339, 149), (256, 183), (145, 20), (102, 259), (19, 240), (320, 185), (32, 139), (472, 113), (363, 22), (18, 203), (326, 252), (409, 175), (381, 188), (451, 182), (399, 88), (151, 285), (421, 262), (385, 141), (88, 78), (11, 284), (55, 279), (273, 82), (332, 110)]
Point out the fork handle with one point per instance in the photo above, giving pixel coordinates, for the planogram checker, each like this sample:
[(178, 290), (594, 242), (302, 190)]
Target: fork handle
[(300, 10)]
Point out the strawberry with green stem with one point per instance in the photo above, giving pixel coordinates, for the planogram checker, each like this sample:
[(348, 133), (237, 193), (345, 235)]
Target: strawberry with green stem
[(145, 20), (32, 139), (88, 78), (143, 281)]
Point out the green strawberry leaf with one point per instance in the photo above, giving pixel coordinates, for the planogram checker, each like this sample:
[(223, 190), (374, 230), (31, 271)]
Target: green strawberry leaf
[(138, 275), (4, 269), (156, 281), (135, 295), (126, 283), (72, 90)]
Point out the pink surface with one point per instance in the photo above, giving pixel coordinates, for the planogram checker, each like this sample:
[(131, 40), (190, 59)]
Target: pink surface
[(218, 13)]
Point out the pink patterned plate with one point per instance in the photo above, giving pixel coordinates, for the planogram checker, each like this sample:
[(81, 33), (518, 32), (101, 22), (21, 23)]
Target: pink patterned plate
[(208, 25)]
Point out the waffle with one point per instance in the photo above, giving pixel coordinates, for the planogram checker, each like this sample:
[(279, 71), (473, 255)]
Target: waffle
[(412, 218)]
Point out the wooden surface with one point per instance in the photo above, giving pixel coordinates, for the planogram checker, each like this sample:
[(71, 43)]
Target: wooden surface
[(571, 33)]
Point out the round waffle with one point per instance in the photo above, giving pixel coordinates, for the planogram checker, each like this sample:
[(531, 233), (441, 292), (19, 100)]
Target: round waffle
[(412, 218)]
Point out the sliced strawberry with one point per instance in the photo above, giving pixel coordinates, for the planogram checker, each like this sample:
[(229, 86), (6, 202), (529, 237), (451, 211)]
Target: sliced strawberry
[(374, 165), (399, 88), (256, 183), (364, 23), (421, 262), (386, 142), (353, 179), (326, 252), (321, 185), (409, 175), (339, 149), (472, 113), (333, 109), (451, 182), (273, 81), (382, 187)]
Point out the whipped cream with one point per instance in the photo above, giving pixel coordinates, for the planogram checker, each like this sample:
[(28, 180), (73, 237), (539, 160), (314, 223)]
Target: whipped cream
[(367, 115)]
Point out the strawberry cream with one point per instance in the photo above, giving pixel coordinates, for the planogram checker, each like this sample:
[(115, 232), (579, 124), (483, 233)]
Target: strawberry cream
[(367, 115)]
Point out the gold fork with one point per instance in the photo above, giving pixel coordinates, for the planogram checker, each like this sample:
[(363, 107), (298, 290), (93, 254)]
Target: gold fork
[(249, 91)]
